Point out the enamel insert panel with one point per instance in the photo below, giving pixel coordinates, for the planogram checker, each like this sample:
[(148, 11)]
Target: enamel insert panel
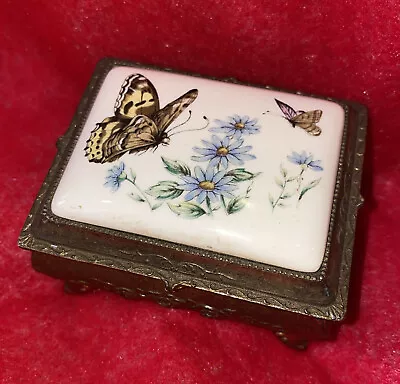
[(230, 168)]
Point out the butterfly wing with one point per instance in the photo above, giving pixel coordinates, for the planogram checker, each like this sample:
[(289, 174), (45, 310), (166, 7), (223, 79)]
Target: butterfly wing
[(165, 116), (307, 121), (100, 135), (137, 96), (139, 135), (143, 133), (287, 110), (138, 124)]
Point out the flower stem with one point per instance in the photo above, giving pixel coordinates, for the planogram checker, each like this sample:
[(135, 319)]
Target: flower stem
[(249, 188), (281, 194), (208, 202), (300, 179), (224, 203), (141, 192)]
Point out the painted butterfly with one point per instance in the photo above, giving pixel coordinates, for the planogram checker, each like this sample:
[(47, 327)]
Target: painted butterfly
[(138, 123), (304, 120)]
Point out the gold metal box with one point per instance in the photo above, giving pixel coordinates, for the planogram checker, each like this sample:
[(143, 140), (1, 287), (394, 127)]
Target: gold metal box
[(297, 306)]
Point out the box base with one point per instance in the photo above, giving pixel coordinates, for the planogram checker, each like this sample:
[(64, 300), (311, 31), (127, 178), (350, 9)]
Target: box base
[(294, 330)]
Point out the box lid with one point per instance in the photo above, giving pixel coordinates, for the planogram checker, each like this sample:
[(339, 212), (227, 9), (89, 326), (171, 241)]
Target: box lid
[(234, 169)]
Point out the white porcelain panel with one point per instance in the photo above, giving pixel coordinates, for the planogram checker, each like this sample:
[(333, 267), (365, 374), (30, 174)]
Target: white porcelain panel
[(252, 183)]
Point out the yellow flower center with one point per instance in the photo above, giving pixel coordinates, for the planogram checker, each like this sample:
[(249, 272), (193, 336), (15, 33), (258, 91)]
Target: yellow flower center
[(222, 151), (239, 125), (207, 185)]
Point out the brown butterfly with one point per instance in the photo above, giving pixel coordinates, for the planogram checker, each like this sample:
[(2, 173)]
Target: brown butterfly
[(138, 123), (304, 120)]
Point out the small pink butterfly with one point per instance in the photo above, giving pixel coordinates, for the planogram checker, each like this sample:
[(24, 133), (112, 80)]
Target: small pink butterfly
[(302, 119)]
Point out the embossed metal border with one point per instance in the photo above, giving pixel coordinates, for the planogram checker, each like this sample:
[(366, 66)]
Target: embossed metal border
[(174, 273)]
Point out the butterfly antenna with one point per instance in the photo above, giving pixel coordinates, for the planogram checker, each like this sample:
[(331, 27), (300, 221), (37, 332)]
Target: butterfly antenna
[(269, 113), (196, 129), (179, 125)]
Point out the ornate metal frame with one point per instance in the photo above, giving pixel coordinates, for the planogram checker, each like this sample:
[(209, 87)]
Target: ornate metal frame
[(294, 305)]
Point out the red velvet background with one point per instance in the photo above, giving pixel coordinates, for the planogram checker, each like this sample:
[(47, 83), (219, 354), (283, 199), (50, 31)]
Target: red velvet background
[(48, 52)]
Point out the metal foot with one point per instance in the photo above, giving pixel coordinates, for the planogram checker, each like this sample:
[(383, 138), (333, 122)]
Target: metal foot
[(292, 341), (75, 287)]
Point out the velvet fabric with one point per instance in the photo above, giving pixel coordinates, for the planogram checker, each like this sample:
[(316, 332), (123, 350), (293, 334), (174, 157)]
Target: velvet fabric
[(346, 50)]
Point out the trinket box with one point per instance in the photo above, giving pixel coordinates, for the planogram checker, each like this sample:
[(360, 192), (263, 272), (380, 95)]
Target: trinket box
[(234, 200)]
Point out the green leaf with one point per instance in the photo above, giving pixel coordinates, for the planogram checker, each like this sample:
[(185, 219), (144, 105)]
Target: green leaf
[(176, 167), (236, 204), (157, 205), (309, 186), (286, 196), (136, 197), (240, 174), (271, 199), (133, 175), (248, 190), (165, 190), (187, 209), (283, 171), (279, 182)]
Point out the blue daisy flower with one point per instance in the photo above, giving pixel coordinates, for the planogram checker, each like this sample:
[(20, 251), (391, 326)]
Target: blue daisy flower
[(207, 184), (116, 175), (237, 126), (222, 152), (305, 160)]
